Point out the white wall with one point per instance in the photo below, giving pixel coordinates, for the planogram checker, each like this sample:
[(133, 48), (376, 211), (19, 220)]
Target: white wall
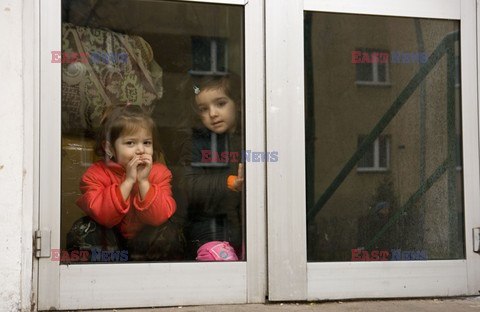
[(15, 223)]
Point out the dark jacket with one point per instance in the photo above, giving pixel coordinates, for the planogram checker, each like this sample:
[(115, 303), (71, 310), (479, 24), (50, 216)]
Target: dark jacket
[(214, 211)]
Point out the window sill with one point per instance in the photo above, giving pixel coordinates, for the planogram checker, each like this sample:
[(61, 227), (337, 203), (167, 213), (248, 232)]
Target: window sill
[(373, 83), (372, 170), (207, 73)]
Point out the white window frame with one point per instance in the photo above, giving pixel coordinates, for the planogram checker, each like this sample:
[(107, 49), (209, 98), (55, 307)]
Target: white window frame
[(88, 286), (293, 278)]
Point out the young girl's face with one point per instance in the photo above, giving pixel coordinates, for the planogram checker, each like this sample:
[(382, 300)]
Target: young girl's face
[(216, 110), (126, 146)]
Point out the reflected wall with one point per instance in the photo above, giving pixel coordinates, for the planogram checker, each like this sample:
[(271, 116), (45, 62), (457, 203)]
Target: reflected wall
[(383, 137)]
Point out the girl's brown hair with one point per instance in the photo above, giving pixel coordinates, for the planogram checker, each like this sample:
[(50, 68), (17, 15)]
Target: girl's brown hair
[(123, 120), (229, 83)]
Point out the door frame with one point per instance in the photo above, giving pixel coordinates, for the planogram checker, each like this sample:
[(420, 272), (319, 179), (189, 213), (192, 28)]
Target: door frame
[(286, 184), (292, 278), (105, 285)]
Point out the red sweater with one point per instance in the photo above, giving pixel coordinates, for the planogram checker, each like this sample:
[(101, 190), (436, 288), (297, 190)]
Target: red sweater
[(102, 199)]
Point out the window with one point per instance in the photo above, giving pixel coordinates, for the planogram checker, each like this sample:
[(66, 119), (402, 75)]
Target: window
[(372, 68), (160, 49), (209, 56), (377, 155)]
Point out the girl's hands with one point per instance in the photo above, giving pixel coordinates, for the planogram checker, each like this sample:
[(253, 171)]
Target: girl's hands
[(130, 177), (238, 184), (137, 170), (143, 170), (131, 170), (144, 167)]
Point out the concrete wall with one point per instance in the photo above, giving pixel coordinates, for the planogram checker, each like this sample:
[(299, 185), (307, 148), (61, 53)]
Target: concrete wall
[(16, 186), (11, 157)]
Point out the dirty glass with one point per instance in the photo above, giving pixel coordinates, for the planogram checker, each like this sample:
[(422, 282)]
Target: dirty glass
[(383, 138), (153, 59)]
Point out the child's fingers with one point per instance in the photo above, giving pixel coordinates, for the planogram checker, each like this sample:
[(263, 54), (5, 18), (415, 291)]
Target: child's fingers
[(240, 171), (134, 161), (142, 156), (240, 177), (131, 168), (238, 184), (147, 159)]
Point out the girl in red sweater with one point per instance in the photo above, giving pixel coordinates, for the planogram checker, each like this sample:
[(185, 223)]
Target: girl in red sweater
[(127, 196)]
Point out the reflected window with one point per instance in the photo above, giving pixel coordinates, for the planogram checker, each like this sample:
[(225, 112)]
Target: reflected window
[(209, 56), (377, 155), (371, 66), (412, 132)]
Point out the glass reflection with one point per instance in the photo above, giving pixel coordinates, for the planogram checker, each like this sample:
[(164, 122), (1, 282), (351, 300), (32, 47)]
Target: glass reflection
[(383, 138), (142, 59)]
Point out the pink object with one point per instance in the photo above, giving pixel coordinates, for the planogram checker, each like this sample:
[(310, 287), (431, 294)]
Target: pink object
[(216, 251)]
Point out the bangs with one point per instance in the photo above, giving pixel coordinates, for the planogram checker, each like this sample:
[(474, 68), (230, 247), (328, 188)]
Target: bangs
[(133, 125), (125, 120)]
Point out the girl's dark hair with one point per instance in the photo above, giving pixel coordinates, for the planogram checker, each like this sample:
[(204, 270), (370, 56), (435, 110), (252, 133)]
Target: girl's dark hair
[(123, 120), (229, 83)]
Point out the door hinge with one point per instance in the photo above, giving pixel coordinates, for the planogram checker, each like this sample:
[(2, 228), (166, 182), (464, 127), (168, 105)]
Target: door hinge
[(476, 240), (42, 243)]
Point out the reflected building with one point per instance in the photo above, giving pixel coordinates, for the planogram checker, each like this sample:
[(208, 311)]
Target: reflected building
[(405, 189)]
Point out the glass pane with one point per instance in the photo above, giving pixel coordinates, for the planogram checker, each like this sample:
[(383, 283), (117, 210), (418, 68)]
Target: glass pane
[(365, 72), (149, 99), (382, 72), (409, 204), (367, 159)]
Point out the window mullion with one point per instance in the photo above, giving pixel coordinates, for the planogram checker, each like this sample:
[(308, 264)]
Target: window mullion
[(375, 72), (213, 55)]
